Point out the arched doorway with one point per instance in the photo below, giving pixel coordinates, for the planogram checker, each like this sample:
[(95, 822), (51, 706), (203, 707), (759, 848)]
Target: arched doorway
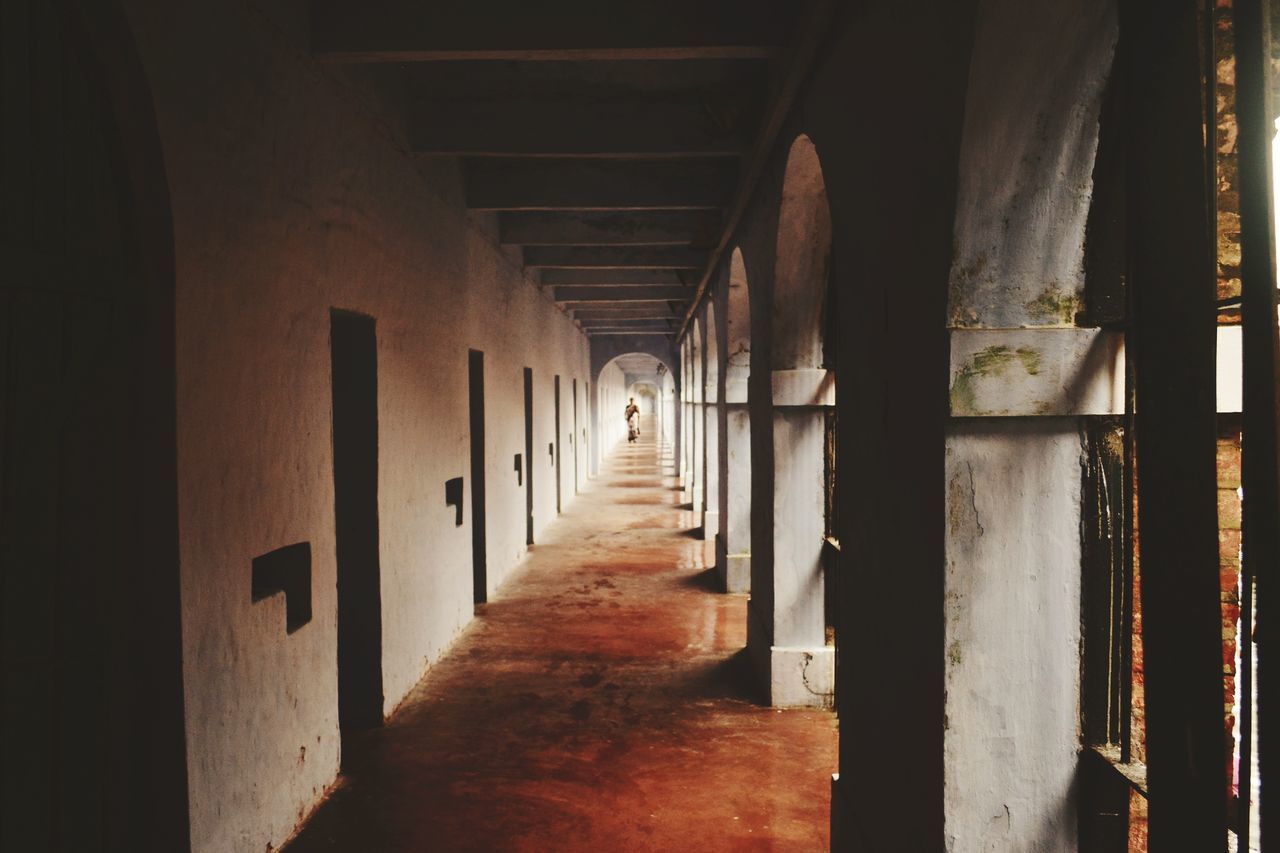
[(92, 646), (787, 633), (734, 552), (634, 374)]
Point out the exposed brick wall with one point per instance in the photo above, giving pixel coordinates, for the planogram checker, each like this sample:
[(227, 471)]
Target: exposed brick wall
[(1229, 508), (1138, 703), (1228, 197)]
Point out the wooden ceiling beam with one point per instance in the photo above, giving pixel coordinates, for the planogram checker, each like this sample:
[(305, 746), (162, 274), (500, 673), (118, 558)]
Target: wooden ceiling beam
[(622, 294), (647, 228), (616, 257), (598, 332), (414, 31), (613, 316), (664, 322), (577, 127), (587, 184), (618, 277)]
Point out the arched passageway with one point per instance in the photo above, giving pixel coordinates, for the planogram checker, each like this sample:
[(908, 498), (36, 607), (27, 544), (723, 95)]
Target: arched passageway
[(633, 374), (787, 628)]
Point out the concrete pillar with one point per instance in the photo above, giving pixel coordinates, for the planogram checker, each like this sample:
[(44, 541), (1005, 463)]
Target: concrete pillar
[(711, 423), (786, 632), (593, 417), (674, 427), (697, 370), (711, 468), (686, 419), (733, 559)]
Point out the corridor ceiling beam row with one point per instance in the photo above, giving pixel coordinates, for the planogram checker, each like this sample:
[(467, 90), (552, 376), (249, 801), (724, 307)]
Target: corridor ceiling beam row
[(663, 30), (646, 228), (606, 278), (574, 127), (583, 184), (615, 258), (611, 140), (598, 295)]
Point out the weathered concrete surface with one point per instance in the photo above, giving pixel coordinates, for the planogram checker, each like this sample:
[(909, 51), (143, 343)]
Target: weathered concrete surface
[(1009, 372), (734, 558), (290, 196), (597, 703), (1013, 486), (697, 418), (711, 420), (1012, 634), (1026, 161)]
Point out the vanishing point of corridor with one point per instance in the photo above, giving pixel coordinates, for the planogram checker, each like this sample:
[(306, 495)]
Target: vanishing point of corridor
[(599, 702)]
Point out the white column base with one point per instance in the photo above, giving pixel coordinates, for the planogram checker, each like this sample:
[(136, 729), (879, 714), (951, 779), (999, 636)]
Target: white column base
[(797, 677), (735, 572), (710, 524), (803, 678)]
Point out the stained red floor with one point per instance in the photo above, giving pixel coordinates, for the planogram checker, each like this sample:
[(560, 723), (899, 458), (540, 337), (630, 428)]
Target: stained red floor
[(599, 703)]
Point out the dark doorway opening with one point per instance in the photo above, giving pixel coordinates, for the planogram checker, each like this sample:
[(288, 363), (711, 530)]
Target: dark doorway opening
[(528, 456), (555, 451), (354, 356), (479, 557), (573, 436)]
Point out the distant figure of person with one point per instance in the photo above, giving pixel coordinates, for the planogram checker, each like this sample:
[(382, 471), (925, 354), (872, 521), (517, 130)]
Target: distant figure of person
[(633, 420)]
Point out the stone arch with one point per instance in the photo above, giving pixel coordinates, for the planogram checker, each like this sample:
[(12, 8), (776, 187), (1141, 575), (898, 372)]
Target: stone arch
[(802, 262), (738, 331), (787, 628)]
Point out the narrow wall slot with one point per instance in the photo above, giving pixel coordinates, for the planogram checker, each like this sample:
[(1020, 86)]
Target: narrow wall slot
[(519, 469), (453, 497), (286, 570)]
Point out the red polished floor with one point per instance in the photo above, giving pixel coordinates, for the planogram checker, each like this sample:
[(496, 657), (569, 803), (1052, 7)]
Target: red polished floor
[(598, 703)]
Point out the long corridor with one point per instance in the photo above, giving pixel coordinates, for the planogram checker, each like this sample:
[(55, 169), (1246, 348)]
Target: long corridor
[(600, 702)]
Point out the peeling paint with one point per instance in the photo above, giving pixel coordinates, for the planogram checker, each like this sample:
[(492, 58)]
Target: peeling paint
[(992, 361), (1055, 305)]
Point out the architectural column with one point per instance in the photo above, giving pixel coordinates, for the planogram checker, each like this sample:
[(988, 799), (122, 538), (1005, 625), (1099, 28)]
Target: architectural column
[(711, 431), (697, 431), (686, 419), (733, 558), (787, 624)]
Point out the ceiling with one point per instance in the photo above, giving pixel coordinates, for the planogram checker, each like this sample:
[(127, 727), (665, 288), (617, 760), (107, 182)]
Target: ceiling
[(638, 364), (611, 140)]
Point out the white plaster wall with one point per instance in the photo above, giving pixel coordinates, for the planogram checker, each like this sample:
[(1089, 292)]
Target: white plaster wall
[(612, 386), (1012, 635), (291, 195), (798, 526)]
